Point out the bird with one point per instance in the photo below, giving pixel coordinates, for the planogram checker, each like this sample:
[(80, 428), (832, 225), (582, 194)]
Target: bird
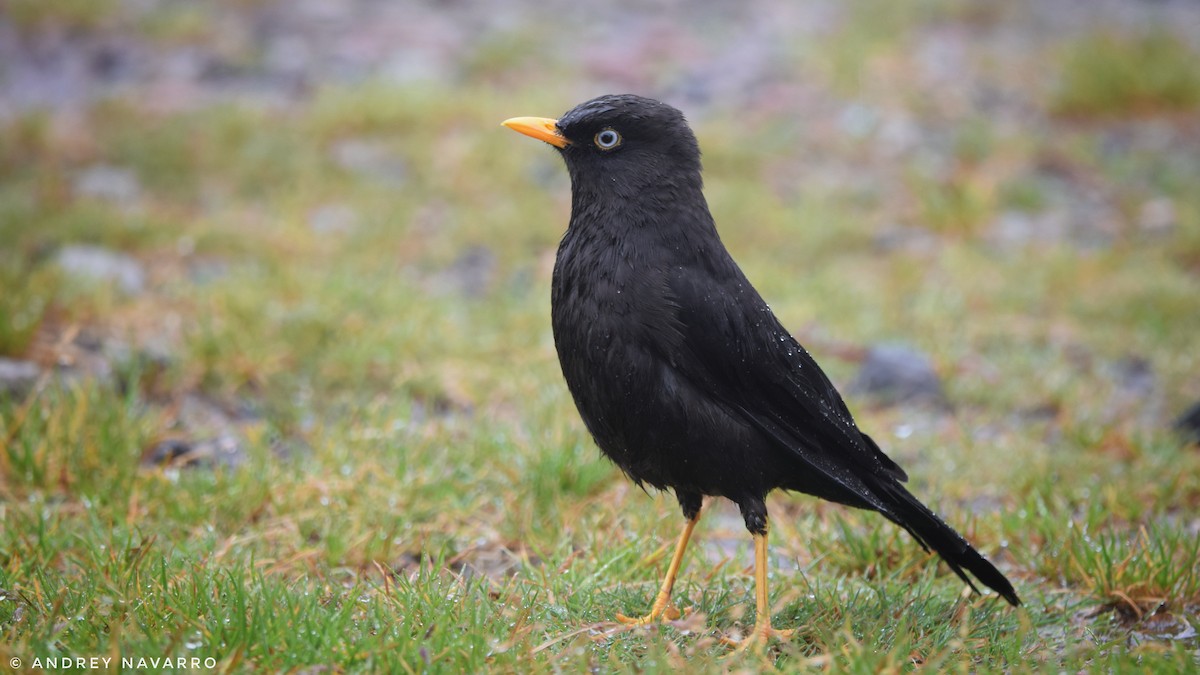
[(680, 371)]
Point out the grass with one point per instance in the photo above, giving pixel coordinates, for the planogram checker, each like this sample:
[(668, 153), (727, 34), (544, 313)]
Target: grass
[(1109, 74), (415, 491), (70, 13)]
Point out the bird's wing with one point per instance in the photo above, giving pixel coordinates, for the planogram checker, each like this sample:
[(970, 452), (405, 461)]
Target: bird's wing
[(739, 353)]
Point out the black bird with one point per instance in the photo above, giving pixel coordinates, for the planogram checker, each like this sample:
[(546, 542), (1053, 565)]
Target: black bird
[(680, 371)]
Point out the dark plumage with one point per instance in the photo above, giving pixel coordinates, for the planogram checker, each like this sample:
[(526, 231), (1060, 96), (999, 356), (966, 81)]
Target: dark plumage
[(678, 367)]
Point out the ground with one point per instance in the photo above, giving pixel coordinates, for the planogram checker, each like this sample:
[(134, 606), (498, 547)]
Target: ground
[(277, 385)]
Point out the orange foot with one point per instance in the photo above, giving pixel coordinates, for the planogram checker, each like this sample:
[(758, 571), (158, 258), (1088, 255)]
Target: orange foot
[(759, 637), (657, 613)]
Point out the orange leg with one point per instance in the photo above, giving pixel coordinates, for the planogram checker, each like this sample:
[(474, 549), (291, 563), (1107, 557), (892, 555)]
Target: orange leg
[(763, 632), (664, 593)]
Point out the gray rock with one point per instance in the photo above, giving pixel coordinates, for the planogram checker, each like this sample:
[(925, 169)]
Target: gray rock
[(206, 270), (333, 219), (471, 275), (211, 434), (94, 263), (1135, 393), (226, 451), (894, 238), (1158, 217), (1134, 374), (89, 357), (858, 120), (1017, 229), (371, 159), (1188, 425), (893, 374), (17, 377), (108, 183), (201, 415)]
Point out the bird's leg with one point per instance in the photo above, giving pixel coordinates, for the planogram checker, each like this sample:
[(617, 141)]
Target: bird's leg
[(763, 632), (664, 593)]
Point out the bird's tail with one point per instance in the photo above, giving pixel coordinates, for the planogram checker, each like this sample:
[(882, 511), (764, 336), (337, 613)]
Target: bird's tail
[(928, 529)]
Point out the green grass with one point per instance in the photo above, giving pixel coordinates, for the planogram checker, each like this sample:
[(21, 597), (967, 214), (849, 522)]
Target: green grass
[(33, 14), (439, 507), (1107, 74)]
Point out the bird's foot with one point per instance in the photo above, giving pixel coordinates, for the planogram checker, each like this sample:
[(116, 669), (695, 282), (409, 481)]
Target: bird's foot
[(758, 638), (657, 613)]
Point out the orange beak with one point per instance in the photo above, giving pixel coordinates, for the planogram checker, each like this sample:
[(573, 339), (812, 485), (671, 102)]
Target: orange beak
[(541, 128)]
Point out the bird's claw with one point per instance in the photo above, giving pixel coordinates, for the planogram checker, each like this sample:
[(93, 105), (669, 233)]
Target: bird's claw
[(758, 638), (656, 614)]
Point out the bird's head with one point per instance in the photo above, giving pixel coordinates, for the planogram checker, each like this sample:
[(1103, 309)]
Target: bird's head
[(622, 143)]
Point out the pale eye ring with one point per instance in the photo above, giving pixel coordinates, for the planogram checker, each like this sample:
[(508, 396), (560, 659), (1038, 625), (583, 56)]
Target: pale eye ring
[(607, 139)]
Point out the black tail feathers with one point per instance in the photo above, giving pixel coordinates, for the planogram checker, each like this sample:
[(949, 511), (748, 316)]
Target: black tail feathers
[(932, 533)]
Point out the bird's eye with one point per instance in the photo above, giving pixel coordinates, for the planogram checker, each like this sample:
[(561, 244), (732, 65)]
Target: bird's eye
[(607, 139)]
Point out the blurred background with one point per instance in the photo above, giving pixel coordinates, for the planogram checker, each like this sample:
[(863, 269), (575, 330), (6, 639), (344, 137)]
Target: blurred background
[(250, 194), (270, 264)]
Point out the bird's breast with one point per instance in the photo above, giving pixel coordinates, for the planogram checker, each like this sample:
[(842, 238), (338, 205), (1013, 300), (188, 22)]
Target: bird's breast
[(595, 294), (618, 330)]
